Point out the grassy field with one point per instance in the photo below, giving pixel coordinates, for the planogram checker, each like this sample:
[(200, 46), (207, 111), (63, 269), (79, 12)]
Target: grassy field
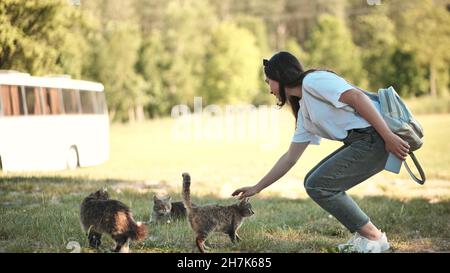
[(39, 211)]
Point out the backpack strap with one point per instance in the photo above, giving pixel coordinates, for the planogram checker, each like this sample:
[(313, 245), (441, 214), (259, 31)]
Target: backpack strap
[(419, 169)]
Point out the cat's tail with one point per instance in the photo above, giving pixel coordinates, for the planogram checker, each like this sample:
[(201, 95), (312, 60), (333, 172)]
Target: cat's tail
[(186, 191), (138, 231)]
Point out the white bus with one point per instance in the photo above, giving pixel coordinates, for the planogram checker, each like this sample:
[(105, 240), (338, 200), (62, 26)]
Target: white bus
[(51, 123)]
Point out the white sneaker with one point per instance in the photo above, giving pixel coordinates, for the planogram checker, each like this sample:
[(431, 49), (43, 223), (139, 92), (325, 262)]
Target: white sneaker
[(361, 244), (342, 247)]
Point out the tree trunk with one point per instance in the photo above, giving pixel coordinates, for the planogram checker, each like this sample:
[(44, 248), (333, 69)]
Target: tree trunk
[(131, 115), (281, 35), (112, 114), (339, 10), (433, 88), (140, 117)]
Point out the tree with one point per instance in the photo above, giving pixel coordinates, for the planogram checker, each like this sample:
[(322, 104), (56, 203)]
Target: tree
[(76, 48), (405, 74), (185, 38), (41, 37), (258, 29), (115, 65), (425, 30), (153, 63), (331, 46), (151, 14), (293, 47), (232, 66), (376, 38), (114, 56), (272, 12)]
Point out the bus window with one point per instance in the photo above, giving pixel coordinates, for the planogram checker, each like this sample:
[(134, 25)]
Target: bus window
[(1, 101), (52, 101), (88, 102), (71, 101), (46, 101), (101, 103), (5, 106), (33, 100), (12, 100)]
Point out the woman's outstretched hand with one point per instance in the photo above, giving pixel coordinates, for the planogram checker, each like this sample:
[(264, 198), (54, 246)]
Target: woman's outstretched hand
[(394, 144), (245, 192)]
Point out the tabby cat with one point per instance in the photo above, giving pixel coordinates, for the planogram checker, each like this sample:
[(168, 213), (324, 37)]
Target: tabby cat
[(214, 218), (164, 210), (99, 214)]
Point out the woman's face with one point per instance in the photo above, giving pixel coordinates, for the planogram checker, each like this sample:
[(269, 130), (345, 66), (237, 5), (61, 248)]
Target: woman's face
[(274, 87)]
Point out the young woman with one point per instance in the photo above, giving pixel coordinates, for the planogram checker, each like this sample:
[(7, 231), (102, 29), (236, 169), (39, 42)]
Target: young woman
[(318, 99)]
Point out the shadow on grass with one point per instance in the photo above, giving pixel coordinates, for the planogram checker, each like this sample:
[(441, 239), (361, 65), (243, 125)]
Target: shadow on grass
[(55, 180), (63, 184)]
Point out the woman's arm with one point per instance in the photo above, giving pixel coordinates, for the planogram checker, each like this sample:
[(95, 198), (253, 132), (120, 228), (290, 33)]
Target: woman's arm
[(364, 106), (283, 165)]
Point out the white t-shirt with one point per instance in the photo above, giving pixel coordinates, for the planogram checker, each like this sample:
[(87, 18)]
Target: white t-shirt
[(317, 119)]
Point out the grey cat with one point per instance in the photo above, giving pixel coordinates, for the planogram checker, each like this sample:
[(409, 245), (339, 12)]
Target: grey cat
[(165, 211), (214, 218)]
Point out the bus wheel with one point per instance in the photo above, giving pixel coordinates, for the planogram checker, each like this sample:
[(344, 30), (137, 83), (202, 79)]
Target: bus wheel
[(72, 158)]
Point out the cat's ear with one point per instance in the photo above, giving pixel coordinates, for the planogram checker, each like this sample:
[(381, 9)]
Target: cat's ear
[(155, 198)]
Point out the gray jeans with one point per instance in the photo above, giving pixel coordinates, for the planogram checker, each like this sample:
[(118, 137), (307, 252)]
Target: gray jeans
[(362, 156)]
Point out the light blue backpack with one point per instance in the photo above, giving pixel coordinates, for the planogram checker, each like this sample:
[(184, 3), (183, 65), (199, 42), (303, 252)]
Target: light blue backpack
[(400, 120)]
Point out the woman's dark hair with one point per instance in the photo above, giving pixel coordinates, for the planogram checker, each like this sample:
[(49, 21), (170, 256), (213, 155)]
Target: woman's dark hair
[(286, 69)]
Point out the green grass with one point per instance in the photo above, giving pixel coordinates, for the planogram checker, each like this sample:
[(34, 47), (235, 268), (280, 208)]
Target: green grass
[(39, 211)]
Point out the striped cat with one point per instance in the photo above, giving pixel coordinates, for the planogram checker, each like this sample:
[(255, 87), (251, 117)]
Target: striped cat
[(214, 218)]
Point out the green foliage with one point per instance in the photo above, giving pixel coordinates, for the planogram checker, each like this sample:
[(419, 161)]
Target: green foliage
[(154, 54), (405, 74), (231, 74), (124, 87), (152, 64), (426, 32), (293, 47), (187, 24), (257, 27), (172, 56), (331, 47), (384, 58), (40, 37), (378, 44)]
